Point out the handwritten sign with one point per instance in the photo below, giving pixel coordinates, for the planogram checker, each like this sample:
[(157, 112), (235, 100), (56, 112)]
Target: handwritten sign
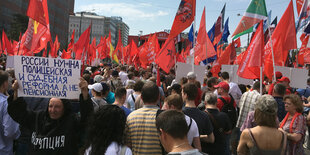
[(47, 77)]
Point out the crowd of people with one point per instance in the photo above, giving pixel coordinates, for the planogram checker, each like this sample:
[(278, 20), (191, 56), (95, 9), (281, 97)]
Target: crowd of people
[(124, 111)]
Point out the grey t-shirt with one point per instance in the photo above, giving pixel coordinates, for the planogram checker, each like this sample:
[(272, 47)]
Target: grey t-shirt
[(98, 103), (189, 152)]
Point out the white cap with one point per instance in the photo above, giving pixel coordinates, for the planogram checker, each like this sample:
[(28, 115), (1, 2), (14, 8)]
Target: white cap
[(191, 75), (96, 87)]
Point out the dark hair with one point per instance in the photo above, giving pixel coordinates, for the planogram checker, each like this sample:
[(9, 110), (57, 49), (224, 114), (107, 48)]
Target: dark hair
[(308, 80), (120, 92), (280, 89), (256, 85), (183, 80), (150, 92), (93, 69), (162, 78), (212, 80), (87, 78), (197, 83), (175, 100), (191, 91), (107, 125), (177, 88), (138, 86), (225, 75), (296, 100), (123, 68), (173, 123), (130, 75), (4, 77)]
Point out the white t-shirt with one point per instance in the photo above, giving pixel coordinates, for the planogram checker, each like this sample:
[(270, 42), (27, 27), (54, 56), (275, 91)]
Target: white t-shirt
[(123, 76), (113, 148), (193, 130)]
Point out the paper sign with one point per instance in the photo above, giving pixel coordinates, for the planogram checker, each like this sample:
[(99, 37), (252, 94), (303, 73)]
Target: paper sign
[(47, 77), (183, 69)]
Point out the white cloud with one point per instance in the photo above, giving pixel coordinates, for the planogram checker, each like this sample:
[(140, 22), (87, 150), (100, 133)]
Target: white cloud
[(125, 10)]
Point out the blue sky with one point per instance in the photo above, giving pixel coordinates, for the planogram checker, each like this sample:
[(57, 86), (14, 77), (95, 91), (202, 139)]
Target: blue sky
[(152, 16)]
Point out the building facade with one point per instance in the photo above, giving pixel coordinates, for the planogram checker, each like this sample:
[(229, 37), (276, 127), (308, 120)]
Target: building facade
[(123, 27), (59, 11)]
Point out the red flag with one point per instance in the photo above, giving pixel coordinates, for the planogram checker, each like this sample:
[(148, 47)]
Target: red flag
[(166, 55), (239, 58), (224, 59), (54, 48), (7, 45), (82, 44), (148, 53), (184, 17), (66, 55), (101, 48), (180, 56), (0, 48), (35, 11), (299, 4), (283, 40), (303, 49), (91, 55), (71, 44), (204, 48), (133, 52), (158, 78), (237, 43), (119, 48), (252, 59)]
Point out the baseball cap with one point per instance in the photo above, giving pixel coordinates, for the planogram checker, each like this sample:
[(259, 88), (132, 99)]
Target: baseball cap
[(278, 74), (98, 78), (284, 78), (191, 75), (96, 87), (267, 104), (223, 85)]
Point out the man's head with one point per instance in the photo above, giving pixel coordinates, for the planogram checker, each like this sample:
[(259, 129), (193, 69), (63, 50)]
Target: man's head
[(4, 81), (174, 102), (279, 90), (172, 127), (189, 92), (222, 88), (210, 99), (123, 68), (225, 76), (150, 93), (212, 82), (256, 86), (285, 80), (56, 108), (191, 76), (96, 89), (120, 94)]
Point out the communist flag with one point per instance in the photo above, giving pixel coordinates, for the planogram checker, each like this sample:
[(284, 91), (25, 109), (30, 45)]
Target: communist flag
[(148, 53), (283, 40), (204, 48), (224, 59), (7, 45), (303, 49), (133, 51), (0, 48), (71, 44), (165, 59), (101, 48), (184, 17), (91, 54), (36, 11), (66, 55), (119, 47), (54, 48), (81, 45), (252, 59)]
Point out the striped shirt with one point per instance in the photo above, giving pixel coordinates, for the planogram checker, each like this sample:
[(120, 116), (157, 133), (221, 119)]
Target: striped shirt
[(142, 131)]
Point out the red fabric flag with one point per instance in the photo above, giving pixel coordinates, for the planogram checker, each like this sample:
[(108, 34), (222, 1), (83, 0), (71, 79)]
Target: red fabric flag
[(71, 44), (133, 52), (239, 58), (66, 55), (55, 48), (36, 11), (119, 48), (224, 59), (82, 44), (299, 4), (158, 77), (303, 49), (184, 17), (148, 53), (0, 48), (252, 59), (101, 48), (204, 48), (237, 43), (180, 56), (7, 45), (91, 55), (165, 58), (283, 40)]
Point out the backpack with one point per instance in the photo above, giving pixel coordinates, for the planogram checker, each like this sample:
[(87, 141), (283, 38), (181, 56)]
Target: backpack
[(230, 110)]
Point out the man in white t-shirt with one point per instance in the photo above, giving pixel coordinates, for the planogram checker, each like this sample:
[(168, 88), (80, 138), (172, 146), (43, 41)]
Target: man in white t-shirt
[(123, 75), (175, 102)]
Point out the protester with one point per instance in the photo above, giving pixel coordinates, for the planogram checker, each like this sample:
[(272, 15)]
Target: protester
[(115, 81), (294, 124), (133, 97), (123, 75), (191, 76), (286, 82), (265, 138), (234, 89), (98, 99), (142, 133), (189, 93), (106, 132), (173, 129), (221, 126), (175, 89), (175, 102), (120, 97), (9, 129), (271, 86), (278, 94)]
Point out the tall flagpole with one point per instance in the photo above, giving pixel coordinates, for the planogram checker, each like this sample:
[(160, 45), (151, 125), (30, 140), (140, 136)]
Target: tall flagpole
[(261, 81), (274, 68), (194, 42)]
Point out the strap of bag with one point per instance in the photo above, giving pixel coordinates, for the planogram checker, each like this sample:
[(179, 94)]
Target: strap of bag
[(123, 150), (133, 98), (214, 122)]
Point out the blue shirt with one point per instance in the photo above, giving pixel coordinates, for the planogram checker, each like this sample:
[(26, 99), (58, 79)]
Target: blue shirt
[(126, 110), (281, 108), (304, 92), (9, 129)]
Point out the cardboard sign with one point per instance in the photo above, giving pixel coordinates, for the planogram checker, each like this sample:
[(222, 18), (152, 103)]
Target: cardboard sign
[(183, 69), (47, 77)]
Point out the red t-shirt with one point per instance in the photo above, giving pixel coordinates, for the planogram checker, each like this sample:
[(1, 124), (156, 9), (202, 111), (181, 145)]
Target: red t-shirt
[(198, 98), (220, 103)]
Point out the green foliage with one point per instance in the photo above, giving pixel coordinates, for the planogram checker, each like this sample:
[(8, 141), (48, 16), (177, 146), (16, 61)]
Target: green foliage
[(19, 25)]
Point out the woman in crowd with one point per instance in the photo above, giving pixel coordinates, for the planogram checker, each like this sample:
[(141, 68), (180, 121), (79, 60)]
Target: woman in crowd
[(134, 96), (106, 132), (55, 130), (294, 124), (265, 138)]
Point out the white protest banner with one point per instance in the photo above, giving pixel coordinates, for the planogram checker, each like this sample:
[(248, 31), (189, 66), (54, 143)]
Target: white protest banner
[(47, 77), (183, 69), (232, 71), (10, 62), (298, 77)]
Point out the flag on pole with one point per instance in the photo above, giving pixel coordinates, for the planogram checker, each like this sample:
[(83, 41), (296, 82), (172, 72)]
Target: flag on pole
[(253, 56), (184, 17), (71, 44), (302, 16), (255, 12), (7, 45), (226, 33), (81, 45), (166, 56), (219, 26)]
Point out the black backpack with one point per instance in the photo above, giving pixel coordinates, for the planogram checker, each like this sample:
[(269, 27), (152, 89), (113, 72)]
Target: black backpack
[(230, 110)]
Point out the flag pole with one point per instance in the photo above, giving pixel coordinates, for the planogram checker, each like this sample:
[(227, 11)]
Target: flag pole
[(261, 81), (272, 53), (194, 42)]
